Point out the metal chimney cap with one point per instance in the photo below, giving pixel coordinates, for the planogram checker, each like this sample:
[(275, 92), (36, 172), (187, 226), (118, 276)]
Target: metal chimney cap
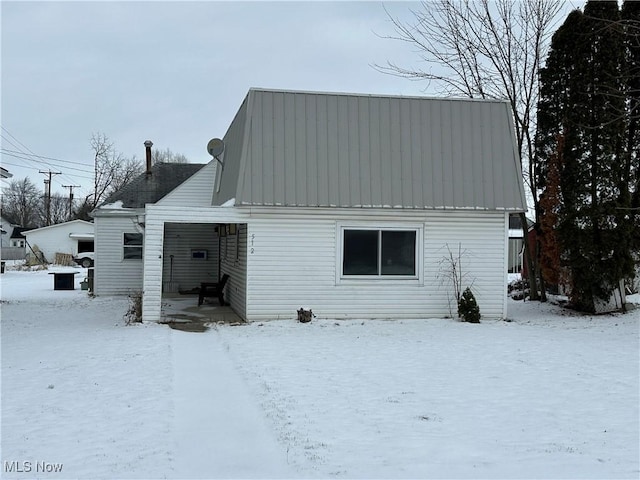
[(148, 143)]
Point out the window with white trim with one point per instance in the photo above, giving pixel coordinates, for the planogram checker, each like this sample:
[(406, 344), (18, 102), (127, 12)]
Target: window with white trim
[(380, 252), (132, 246)]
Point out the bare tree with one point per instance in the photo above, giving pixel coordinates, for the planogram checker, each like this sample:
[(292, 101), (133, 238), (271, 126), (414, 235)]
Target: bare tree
[(22, 204), (59, 208), (127, 170), (452, 272), (112, 170), (167, 156), (485, 49)]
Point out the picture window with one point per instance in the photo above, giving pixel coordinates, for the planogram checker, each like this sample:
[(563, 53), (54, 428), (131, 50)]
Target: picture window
[(379, 252)]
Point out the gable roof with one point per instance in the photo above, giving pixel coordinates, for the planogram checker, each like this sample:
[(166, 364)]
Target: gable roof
[(78, 223), (18, 232), (194, 191), (149, 188), (287, 148)]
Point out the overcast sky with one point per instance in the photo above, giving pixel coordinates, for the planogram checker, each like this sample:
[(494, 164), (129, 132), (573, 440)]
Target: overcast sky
[(172, 72)]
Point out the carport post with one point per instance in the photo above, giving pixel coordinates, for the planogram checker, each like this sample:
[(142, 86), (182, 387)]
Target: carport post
[(152, 270)]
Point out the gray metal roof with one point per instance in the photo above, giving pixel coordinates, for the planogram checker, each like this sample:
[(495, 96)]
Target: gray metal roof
[(329, 149), (149, 188)]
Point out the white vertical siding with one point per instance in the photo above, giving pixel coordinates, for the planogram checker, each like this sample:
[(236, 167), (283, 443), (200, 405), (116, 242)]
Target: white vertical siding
[(157, 216), (234, 263), (179, 240), (153, 253), (291, 264), (289, 258), (112, 274), (481, 238), (294, 264), (196, 191)]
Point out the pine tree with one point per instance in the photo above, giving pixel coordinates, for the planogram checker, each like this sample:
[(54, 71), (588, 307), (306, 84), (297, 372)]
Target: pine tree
[(583, 103), (630, 201), (468, 308)]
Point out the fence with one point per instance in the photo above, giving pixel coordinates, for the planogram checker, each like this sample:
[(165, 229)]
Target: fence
[(63, 259), (13, 253)]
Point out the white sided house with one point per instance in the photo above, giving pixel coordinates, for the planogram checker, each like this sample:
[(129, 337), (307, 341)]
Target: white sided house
[(68, 238), (120, 227), (347, 205)]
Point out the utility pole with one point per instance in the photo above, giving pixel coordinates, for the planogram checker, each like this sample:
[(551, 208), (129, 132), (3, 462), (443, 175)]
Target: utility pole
[(47, 183), (70, 187)]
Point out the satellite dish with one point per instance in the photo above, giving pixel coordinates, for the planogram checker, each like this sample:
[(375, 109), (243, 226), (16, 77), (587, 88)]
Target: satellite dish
[(215, 147)]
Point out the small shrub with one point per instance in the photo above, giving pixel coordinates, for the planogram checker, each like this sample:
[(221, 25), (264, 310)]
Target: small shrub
[(451, 271), (134, 313), (468, 309)]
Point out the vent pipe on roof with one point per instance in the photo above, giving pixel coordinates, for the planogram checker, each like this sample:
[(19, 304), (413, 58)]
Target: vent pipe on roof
[(148, 144)]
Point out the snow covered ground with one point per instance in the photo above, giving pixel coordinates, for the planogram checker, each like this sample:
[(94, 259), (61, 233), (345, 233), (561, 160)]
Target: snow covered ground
[(551, 394)]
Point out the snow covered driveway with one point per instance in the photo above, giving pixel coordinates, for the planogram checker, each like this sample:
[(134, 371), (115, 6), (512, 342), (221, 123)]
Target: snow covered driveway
[(549, 395)]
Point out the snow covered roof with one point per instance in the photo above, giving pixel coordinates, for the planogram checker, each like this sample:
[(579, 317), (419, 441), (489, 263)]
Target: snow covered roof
[(82, 224), (287, 148)]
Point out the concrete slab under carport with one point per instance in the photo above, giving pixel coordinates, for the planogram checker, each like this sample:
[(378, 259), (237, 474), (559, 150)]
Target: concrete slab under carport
[(177, 308)]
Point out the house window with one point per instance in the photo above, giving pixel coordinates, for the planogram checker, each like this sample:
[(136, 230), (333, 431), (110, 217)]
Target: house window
[(132, 246), (380, 252), (198, 254)]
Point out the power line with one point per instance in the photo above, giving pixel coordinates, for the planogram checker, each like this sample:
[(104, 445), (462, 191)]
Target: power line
[(9, 133), (44, 157), (20, 150), (22, 166), (22, 157)]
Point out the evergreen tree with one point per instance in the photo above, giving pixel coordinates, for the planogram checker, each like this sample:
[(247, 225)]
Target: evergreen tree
[(468, 309), (550, 201), (631, 176), (583, 103)]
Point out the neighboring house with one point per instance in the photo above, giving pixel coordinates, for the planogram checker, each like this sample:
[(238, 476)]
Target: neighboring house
[(12, 246), (516, 244), (4, 176), (17, 238), (68, 238), (6, 229), (345, 204), (119, 227)]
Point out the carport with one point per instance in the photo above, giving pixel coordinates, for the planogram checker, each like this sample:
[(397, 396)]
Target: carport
[(182, 249)]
